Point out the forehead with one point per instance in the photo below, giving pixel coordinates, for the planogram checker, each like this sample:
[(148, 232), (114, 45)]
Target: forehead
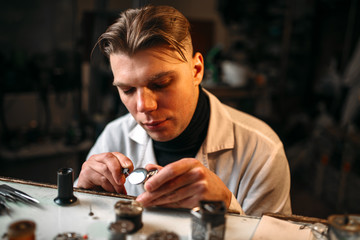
[(144, 64), (164, 52)]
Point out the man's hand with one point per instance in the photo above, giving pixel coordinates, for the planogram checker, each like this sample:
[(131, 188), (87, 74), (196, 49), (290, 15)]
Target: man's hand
[(183, 184), (104, 171)]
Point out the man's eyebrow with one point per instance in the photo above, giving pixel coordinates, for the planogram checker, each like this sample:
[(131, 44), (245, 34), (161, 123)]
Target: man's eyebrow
[(117, 84), (150, 79), (159, 75)]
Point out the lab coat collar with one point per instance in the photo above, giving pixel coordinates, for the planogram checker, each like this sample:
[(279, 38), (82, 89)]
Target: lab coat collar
[(139, 135), (220, 134)]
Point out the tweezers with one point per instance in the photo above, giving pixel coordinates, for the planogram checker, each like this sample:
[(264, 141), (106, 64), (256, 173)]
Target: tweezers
[(3, 206), (15, 195)]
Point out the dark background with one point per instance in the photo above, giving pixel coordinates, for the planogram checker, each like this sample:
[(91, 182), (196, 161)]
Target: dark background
[(294, 64)]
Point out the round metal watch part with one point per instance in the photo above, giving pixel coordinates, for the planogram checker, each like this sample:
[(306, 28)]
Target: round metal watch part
[(163, 235), (120, 229), (130, 210), (140, 175), (68, 236)]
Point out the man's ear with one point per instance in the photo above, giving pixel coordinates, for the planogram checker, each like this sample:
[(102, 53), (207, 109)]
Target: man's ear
[(198, 68)]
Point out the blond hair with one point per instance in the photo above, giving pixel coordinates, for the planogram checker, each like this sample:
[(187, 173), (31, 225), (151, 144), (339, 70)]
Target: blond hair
[(147, 27)]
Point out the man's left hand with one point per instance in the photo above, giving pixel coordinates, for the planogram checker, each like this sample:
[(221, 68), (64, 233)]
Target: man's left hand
[(182, 184)]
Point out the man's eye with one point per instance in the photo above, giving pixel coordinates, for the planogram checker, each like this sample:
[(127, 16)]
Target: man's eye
[(159, 86), (128, 91)]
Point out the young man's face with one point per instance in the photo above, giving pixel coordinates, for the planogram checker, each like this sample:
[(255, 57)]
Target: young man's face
[(159, 90)]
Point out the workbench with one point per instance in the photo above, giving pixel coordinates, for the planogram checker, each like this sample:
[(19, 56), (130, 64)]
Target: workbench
[(52, 219)]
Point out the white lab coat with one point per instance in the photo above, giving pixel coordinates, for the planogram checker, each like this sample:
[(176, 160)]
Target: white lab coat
[(242, 150)]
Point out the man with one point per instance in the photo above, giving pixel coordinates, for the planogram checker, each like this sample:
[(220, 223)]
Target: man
[(203, 149)]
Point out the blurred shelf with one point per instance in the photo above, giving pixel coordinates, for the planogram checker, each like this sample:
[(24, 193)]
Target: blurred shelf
[(44, 150), (233, 93)]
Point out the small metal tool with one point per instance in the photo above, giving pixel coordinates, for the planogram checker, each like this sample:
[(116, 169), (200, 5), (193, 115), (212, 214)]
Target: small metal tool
[(91, 212), (141, 175), (125, 171), (14, 194), (4, 207), (10, 194)]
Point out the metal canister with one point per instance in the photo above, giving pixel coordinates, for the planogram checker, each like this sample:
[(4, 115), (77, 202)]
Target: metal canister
[(130, 210), (120, 229), (163, 235), (68, 236), (208, 221), (21, 230), (345, 226)]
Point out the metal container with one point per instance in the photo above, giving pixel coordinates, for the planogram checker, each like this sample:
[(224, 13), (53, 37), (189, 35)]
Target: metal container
[(130, 210), (344, 227), (208, 221), (22, 230)]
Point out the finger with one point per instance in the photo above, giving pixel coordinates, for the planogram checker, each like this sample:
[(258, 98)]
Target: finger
[(193, 175), (113, 162), (99, 172), (86, 177), (189, 203), (95, 180), (151, 166), (183, 181), (106, 179), (102, 163), (125, 162), (103, 169), (113, 166), (110, 186), (106, 184), (169, 172), (186, 196)]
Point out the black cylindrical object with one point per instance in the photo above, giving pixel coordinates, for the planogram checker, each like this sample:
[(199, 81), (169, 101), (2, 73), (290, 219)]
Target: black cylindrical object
[(120, 229), (129, 210), (163, 235), (208, 221), (65, 180)]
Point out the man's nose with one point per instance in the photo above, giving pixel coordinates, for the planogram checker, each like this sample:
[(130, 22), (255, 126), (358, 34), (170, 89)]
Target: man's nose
[(146, 100)]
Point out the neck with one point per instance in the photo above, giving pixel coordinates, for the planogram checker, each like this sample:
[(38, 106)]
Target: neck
[(189, 141)]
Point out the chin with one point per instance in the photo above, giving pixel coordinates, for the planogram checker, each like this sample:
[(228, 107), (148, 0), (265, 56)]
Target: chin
[(161, 137)]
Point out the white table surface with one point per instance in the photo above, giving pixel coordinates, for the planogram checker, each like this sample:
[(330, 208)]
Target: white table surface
[(51, 219)]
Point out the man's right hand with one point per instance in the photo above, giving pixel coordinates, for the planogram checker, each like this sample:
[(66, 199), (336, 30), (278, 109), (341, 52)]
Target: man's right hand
[(104, 171)]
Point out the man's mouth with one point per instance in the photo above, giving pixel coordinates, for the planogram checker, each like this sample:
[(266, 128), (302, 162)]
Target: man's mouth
[(153, 124)]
